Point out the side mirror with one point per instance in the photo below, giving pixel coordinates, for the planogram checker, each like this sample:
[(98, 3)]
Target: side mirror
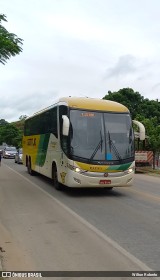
[(65, 126), (141, 132)]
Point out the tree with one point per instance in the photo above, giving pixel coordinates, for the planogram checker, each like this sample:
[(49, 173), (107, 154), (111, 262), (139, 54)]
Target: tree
[(128, 97), (10, 44), (9, 134), (153, 132), (3, 122), (23, 117), (136, 103)]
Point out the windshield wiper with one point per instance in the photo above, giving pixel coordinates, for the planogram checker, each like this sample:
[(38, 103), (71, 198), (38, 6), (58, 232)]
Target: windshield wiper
[(112, 146), (97, 147)]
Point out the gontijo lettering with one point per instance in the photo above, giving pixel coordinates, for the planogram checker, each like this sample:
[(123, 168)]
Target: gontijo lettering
[(31, 142)]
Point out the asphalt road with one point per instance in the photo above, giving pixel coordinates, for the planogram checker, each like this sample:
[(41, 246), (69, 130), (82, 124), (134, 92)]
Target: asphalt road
[(87, 226)]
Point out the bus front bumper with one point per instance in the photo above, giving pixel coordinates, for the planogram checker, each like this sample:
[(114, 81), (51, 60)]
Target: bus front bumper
[(98, 180)]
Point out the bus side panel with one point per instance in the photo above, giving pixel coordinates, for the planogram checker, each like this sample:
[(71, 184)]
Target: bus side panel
[(43, 150), (30, 149), (50, 154)]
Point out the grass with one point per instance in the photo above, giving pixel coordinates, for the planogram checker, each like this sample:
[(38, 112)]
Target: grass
[(148, 170)]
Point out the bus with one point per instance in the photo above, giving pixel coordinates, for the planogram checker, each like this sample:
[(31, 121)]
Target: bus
[(81, 142)]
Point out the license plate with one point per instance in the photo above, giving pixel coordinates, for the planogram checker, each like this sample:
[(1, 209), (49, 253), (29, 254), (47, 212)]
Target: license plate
[(104, 182)]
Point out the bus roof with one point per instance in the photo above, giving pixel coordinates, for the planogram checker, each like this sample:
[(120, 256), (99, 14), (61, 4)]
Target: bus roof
[(87, 103), (94, 104)]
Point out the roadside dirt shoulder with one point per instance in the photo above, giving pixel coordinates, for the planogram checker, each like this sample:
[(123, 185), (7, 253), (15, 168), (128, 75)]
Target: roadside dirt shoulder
[(12, 256)]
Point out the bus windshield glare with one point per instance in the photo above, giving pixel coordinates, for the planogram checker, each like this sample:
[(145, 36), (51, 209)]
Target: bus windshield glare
[(101, 136)]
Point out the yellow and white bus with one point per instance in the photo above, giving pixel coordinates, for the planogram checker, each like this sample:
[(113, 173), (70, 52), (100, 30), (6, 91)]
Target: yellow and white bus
[(81, 142)]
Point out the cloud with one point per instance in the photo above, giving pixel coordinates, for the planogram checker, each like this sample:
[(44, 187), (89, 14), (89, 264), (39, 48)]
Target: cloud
[(156, 86), (69, 44), (27, 104), (126, 65)]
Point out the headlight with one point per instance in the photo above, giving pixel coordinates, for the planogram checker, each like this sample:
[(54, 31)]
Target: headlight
[(129, 170), (77, 169), (74, 168)]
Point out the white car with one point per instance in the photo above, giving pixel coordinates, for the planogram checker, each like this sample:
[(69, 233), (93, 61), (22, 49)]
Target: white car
[(19, 156), (9, 152)]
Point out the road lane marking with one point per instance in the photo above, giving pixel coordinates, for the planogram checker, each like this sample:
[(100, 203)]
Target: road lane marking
[(142, 266)]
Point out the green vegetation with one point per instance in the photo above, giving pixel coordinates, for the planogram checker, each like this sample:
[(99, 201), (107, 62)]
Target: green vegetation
[(136, 103), (10, 44), (11, 133), (149, 171)]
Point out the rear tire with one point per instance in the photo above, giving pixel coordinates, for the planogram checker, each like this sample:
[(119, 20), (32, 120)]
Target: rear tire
[(29, 168)]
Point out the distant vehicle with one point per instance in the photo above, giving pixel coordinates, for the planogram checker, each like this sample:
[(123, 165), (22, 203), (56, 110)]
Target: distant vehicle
[(9, 152), (143, 157), (2, 147), (19, 156)]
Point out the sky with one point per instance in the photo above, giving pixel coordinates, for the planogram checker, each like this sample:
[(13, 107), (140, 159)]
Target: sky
[(79, 48)]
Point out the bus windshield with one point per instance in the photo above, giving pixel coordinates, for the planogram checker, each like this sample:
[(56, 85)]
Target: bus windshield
[(101, 136)]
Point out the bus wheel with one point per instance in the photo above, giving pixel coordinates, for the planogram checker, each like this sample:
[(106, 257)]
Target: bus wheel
[(57, 185), (29, 168)]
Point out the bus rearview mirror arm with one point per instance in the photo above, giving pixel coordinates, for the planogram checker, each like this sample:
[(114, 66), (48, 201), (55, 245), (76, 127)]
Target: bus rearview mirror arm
[(141, 129)]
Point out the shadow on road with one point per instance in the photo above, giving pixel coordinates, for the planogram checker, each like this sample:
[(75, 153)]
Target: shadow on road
[(86, 192)]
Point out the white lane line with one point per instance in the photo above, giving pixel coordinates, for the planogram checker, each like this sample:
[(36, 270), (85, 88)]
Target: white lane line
[(142, 266)]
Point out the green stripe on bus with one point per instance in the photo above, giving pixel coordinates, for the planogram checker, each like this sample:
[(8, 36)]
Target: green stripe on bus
[(42, 149), (121, 167)]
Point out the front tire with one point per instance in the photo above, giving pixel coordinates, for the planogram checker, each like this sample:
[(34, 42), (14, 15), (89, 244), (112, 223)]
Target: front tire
[(57, 185)]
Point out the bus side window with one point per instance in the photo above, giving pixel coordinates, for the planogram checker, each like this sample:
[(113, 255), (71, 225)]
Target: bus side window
[(53, 121), (48, 121), (26, 128)]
